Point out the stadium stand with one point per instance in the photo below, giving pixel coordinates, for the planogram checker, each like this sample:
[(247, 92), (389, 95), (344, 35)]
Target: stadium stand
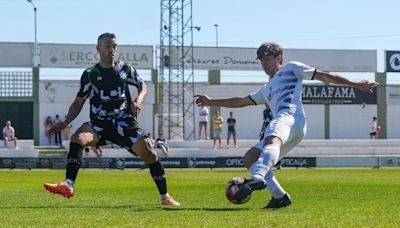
[(25, 148), (307, 148)]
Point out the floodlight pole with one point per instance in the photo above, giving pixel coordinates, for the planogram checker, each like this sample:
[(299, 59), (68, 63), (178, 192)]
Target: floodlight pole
[(35, 46), (216, 35), (35, 81)]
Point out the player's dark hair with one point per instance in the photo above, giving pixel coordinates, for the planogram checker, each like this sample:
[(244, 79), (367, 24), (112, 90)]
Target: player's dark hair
[(106, 35), (269, 49)]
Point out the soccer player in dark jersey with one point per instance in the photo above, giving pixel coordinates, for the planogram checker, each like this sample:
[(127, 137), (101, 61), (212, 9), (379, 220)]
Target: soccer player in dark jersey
[(112, 118), (267, 117)]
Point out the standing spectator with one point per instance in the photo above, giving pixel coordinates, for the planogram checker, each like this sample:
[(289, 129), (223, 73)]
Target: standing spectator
[(48, 123), (231, 130), (9, 134), (57, 135), (66, 130), (203, 121), (375, 129), (162, 144), (217, 128)]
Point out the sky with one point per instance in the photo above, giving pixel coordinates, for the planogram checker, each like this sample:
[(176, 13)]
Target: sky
[(310, 24)]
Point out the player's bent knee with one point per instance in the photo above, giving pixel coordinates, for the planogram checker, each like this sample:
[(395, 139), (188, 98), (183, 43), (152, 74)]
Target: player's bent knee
[(251, 156), (83, 138)]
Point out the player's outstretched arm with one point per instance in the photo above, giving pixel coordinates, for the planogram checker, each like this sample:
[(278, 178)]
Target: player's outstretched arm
[(233, 102), (73, 112), (329, 78)]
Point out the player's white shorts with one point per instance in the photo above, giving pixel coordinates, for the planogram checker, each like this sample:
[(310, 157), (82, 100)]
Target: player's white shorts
[(290, 128)]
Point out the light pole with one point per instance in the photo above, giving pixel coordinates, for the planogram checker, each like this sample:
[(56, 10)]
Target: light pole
[(216, 35), (35, 83), (35, 45)]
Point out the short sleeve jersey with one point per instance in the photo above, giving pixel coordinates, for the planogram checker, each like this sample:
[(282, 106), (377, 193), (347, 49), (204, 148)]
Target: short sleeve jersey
[(267, 116), (107, 89), (283, 92)]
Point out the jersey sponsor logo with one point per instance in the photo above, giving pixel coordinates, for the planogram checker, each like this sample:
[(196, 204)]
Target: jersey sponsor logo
[(112, 93), (122, 74)]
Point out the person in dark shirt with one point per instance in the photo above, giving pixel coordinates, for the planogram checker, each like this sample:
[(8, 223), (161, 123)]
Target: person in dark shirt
[(267, 118), (112, 118), (231, 130)]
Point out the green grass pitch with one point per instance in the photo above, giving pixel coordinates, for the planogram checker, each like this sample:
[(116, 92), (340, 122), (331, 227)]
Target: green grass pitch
[(113, 198)]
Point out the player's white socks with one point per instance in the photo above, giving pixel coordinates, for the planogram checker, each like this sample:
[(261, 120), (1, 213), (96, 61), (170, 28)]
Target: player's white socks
[(272, 183), (165, 196), (273, 186), (268, 158)]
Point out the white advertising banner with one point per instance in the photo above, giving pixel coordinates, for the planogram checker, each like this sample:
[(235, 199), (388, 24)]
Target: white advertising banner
[(85, 55), (211, 58), (16, 54), (335, 60), (393, 95)]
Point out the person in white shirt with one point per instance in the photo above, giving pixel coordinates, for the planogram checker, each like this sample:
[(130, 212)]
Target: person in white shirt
[(375, 129), (203, 121), (288, 127), (9, 134)]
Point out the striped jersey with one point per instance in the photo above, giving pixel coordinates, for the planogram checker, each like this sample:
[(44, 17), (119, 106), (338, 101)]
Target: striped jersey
[(283, 92), (107, 89)]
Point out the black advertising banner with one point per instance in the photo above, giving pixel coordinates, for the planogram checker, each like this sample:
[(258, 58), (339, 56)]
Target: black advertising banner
[(392, 59), (298, 162), (126, 163), (332, 94)]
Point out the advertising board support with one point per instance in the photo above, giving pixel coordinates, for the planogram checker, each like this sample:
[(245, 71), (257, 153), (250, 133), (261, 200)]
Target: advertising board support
[(35, 90), (214, 78), (381, 78)]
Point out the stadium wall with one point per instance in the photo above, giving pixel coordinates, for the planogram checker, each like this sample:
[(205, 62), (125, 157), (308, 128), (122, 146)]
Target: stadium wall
[(346, 121)]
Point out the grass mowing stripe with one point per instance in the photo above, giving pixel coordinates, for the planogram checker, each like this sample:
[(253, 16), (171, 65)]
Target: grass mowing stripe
[(104, 198)]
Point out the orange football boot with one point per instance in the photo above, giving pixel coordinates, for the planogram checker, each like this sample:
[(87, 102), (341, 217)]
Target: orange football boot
[(60, 188), (168, 201)]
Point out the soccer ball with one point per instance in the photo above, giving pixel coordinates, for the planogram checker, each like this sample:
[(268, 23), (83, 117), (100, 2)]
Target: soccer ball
[(232, 187)]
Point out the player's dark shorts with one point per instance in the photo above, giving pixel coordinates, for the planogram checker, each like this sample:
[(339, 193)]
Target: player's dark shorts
[(372, 133), (121, 131), (160, 145)]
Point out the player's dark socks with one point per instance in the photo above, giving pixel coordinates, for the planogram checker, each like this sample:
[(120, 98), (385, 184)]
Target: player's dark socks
[(158, 174), (74, 160)]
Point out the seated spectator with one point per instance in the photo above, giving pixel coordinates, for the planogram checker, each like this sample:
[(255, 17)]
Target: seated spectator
[(97, 150), (161, 143), (9, 134)]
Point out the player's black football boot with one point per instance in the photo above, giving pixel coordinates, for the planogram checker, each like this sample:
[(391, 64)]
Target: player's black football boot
[(280, 202), (248, 187)]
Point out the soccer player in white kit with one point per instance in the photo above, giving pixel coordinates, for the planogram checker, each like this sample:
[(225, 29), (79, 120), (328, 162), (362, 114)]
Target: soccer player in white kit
[(288, 127)]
